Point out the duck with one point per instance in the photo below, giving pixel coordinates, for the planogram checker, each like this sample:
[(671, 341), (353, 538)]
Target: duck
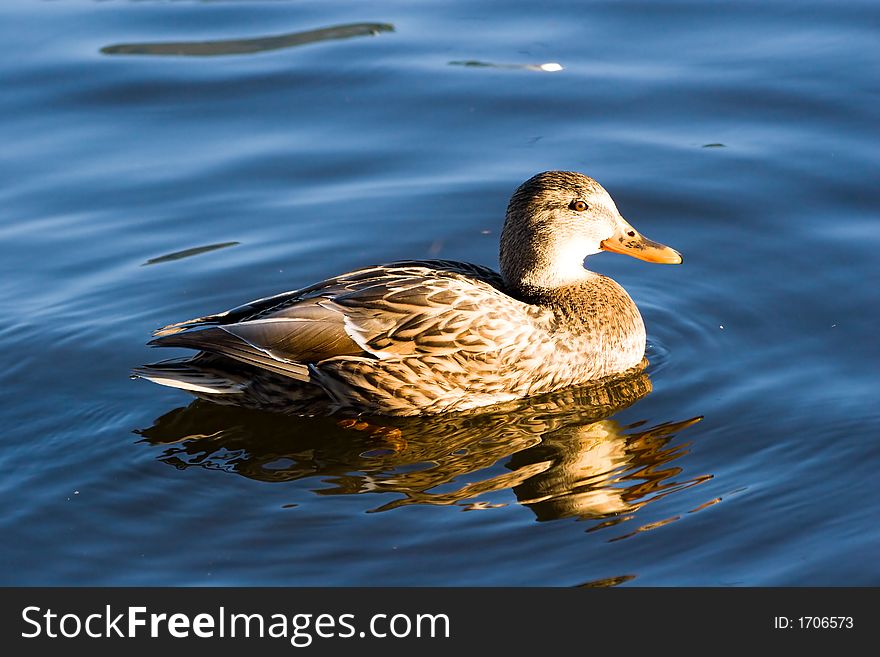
[(422, 337)]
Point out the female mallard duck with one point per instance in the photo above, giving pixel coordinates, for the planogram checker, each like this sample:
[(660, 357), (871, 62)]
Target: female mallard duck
[(430, 336)]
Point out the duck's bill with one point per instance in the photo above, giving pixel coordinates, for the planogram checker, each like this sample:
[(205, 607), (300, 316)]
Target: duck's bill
[(630, 242)]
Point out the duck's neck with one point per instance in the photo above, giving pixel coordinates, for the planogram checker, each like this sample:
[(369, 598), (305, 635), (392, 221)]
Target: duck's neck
[(572, 300), (594, 306), (542, 258)]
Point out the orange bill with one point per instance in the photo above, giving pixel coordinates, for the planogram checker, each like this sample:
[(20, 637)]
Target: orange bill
[(629, 241)]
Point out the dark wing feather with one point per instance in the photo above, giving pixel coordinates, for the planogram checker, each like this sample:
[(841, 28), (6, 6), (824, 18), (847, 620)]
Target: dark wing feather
[(218, 340)]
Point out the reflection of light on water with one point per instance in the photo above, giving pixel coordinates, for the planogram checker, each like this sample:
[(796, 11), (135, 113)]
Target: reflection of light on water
[(705, 505), (549, 67), (479, 506), (600, 471), (606, 582), (559, 455)]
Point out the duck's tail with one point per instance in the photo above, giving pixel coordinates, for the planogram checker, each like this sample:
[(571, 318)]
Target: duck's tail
[(190, 375), (226, 381)]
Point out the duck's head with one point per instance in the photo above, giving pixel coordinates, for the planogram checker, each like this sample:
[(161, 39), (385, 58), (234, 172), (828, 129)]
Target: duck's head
[(556, 219)]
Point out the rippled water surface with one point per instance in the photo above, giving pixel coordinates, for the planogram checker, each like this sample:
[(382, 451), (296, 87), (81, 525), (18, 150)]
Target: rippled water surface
[(162, 160)]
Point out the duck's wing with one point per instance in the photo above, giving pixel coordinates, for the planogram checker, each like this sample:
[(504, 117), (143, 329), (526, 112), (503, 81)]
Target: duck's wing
[(333, 286), (403, 309)]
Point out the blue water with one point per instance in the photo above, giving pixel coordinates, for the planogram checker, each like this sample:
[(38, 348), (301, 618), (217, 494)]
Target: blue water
[(742, 134)]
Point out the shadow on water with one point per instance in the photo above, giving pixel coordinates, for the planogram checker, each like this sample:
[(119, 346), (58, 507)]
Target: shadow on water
[(247, 46), (562, 455), (188, 253)]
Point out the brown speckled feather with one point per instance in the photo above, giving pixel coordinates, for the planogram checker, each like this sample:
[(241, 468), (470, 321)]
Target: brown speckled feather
[(406, 309)]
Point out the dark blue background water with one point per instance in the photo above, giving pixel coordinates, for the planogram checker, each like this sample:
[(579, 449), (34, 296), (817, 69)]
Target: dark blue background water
[(324, 156)]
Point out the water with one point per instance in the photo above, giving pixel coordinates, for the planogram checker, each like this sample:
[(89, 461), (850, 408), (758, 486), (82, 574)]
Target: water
[(141, 187)]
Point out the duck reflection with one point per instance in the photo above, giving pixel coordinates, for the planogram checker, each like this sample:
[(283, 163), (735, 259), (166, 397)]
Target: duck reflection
[(562, 455), (247, 46), (598, 470)]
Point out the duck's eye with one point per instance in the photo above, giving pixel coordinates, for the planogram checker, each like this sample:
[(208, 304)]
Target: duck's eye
[(578, 206)]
